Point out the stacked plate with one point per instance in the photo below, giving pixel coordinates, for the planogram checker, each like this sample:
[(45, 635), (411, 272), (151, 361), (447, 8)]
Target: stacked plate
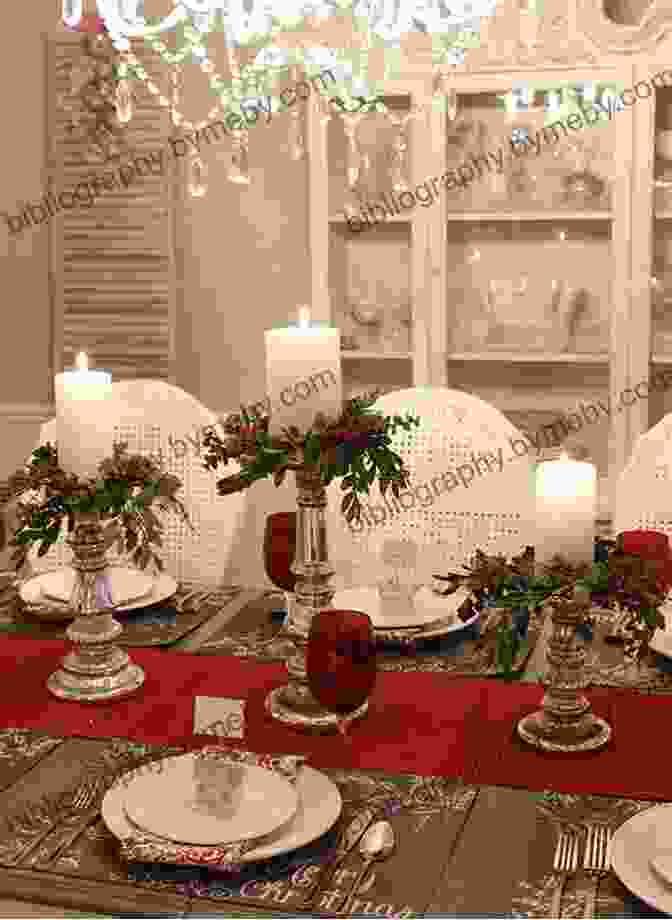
[(219, 808), (661, 641), (641, 856), (47, 595), (426, 616)]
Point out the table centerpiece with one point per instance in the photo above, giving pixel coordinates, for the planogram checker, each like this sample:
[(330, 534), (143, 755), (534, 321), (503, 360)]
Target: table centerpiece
[(122, 495), (621, 580), (355, 447)]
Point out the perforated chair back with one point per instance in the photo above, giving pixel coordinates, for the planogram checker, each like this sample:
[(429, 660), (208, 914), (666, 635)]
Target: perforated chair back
[(162, 421), (643, 494), (458, 500)]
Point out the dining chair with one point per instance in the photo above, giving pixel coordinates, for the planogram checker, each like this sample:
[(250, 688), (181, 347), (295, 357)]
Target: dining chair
[(163, 421), (643, 490), (458, 501)]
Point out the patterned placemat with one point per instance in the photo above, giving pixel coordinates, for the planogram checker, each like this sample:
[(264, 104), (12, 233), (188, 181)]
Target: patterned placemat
[(534, 895), (256, 632), (46, 842), (460, 850), (159, 624), (607, 667)]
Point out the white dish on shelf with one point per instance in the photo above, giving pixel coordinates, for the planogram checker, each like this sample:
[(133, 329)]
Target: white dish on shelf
[(634, 846), (319, 807), (205, 802)]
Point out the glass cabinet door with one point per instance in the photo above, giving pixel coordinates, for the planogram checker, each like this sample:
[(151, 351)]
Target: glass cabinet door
[(529, 258), (370, 159)]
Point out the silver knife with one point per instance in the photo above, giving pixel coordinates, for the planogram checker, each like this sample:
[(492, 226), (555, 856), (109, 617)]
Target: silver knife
[(347, 841)]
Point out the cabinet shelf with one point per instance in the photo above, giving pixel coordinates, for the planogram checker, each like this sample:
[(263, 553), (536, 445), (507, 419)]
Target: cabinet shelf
[(558, 215), (396, 219), (517, 357), (377, 356)]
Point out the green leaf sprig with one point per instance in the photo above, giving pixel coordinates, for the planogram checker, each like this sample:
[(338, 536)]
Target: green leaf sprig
[(125, 492), (355, 447)]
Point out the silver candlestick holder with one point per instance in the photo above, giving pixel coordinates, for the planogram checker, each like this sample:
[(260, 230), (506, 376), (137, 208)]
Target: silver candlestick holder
[(96, 670), (293, 703), (565, 722)]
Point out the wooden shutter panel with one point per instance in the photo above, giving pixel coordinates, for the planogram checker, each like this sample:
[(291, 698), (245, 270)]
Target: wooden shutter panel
[(113, 266)]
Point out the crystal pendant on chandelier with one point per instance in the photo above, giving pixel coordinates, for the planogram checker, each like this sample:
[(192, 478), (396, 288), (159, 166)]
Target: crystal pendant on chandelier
[(72, 13), (297, 143), (198, 177), (124, 101), (452, 104), (239, 171)]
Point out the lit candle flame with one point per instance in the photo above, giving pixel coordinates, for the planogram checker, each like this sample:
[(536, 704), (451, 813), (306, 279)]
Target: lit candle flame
[(304, 318), (82, 362)]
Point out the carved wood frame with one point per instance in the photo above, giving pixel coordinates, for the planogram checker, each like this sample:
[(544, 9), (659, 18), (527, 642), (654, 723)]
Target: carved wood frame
[(610, 37)]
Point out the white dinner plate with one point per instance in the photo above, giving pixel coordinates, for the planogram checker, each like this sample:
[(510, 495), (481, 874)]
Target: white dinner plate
[(661, 641), (206, 802), (427, 608), (163, 587), (634, 845), (127, 585), (319, 807)]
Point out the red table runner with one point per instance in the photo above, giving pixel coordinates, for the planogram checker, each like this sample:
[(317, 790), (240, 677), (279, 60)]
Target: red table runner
[(418, 722)]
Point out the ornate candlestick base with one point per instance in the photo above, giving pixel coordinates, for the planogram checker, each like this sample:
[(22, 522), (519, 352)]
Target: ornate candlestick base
[(294, 704), (565, 723), (96, 670)]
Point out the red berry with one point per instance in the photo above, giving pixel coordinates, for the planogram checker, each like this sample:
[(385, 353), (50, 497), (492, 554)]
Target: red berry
[(91, 23)]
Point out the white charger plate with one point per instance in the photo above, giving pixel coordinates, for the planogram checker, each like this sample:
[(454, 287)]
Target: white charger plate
[(169, 804), (319, 807), (126, 584), (634, 846), (163, 587), (428, 608)]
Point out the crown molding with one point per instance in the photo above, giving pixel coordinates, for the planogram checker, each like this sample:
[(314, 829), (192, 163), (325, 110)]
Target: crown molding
[(26, 412), (614, 38)]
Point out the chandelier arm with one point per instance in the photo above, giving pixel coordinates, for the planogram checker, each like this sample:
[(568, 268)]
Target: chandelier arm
[(116, 25)]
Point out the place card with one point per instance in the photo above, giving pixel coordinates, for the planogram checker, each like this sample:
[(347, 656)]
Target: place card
[(223, 717)]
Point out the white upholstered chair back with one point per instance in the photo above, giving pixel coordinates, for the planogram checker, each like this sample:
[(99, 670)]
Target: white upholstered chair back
[(643, 495), (161, 420), (494, 511)]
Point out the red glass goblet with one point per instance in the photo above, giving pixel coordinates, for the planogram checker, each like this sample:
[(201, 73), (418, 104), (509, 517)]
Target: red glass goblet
[(280, 549), (341, 662), (654, 546)]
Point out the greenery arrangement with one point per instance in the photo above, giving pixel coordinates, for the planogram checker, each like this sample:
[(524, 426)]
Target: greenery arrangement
[(620, 581), (354, 447), (126, 489)]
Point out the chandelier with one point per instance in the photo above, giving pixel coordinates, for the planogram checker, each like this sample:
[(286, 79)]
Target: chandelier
[(295, 40)]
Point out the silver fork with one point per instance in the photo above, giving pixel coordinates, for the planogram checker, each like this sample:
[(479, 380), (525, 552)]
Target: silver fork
[(565, 863), (596, 862)]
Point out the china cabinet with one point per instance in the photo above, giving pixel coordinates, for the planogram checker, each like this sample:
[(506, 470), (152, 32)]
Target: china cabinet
[(543, 284)]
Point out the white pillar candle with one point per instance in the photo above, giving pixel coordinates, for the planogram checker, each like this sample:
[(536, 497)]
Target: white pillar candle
[(84, 430), (566, 493), (303, 373)]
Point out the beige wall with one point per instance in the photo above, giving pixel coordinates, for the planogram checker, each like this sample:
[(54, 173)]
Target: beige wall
[(242, 263), (25, 314)]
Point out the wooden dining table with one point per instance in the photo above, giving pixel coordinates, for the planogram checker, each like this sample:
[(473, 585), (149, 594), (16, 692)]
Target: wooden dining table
[(475, 824)]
